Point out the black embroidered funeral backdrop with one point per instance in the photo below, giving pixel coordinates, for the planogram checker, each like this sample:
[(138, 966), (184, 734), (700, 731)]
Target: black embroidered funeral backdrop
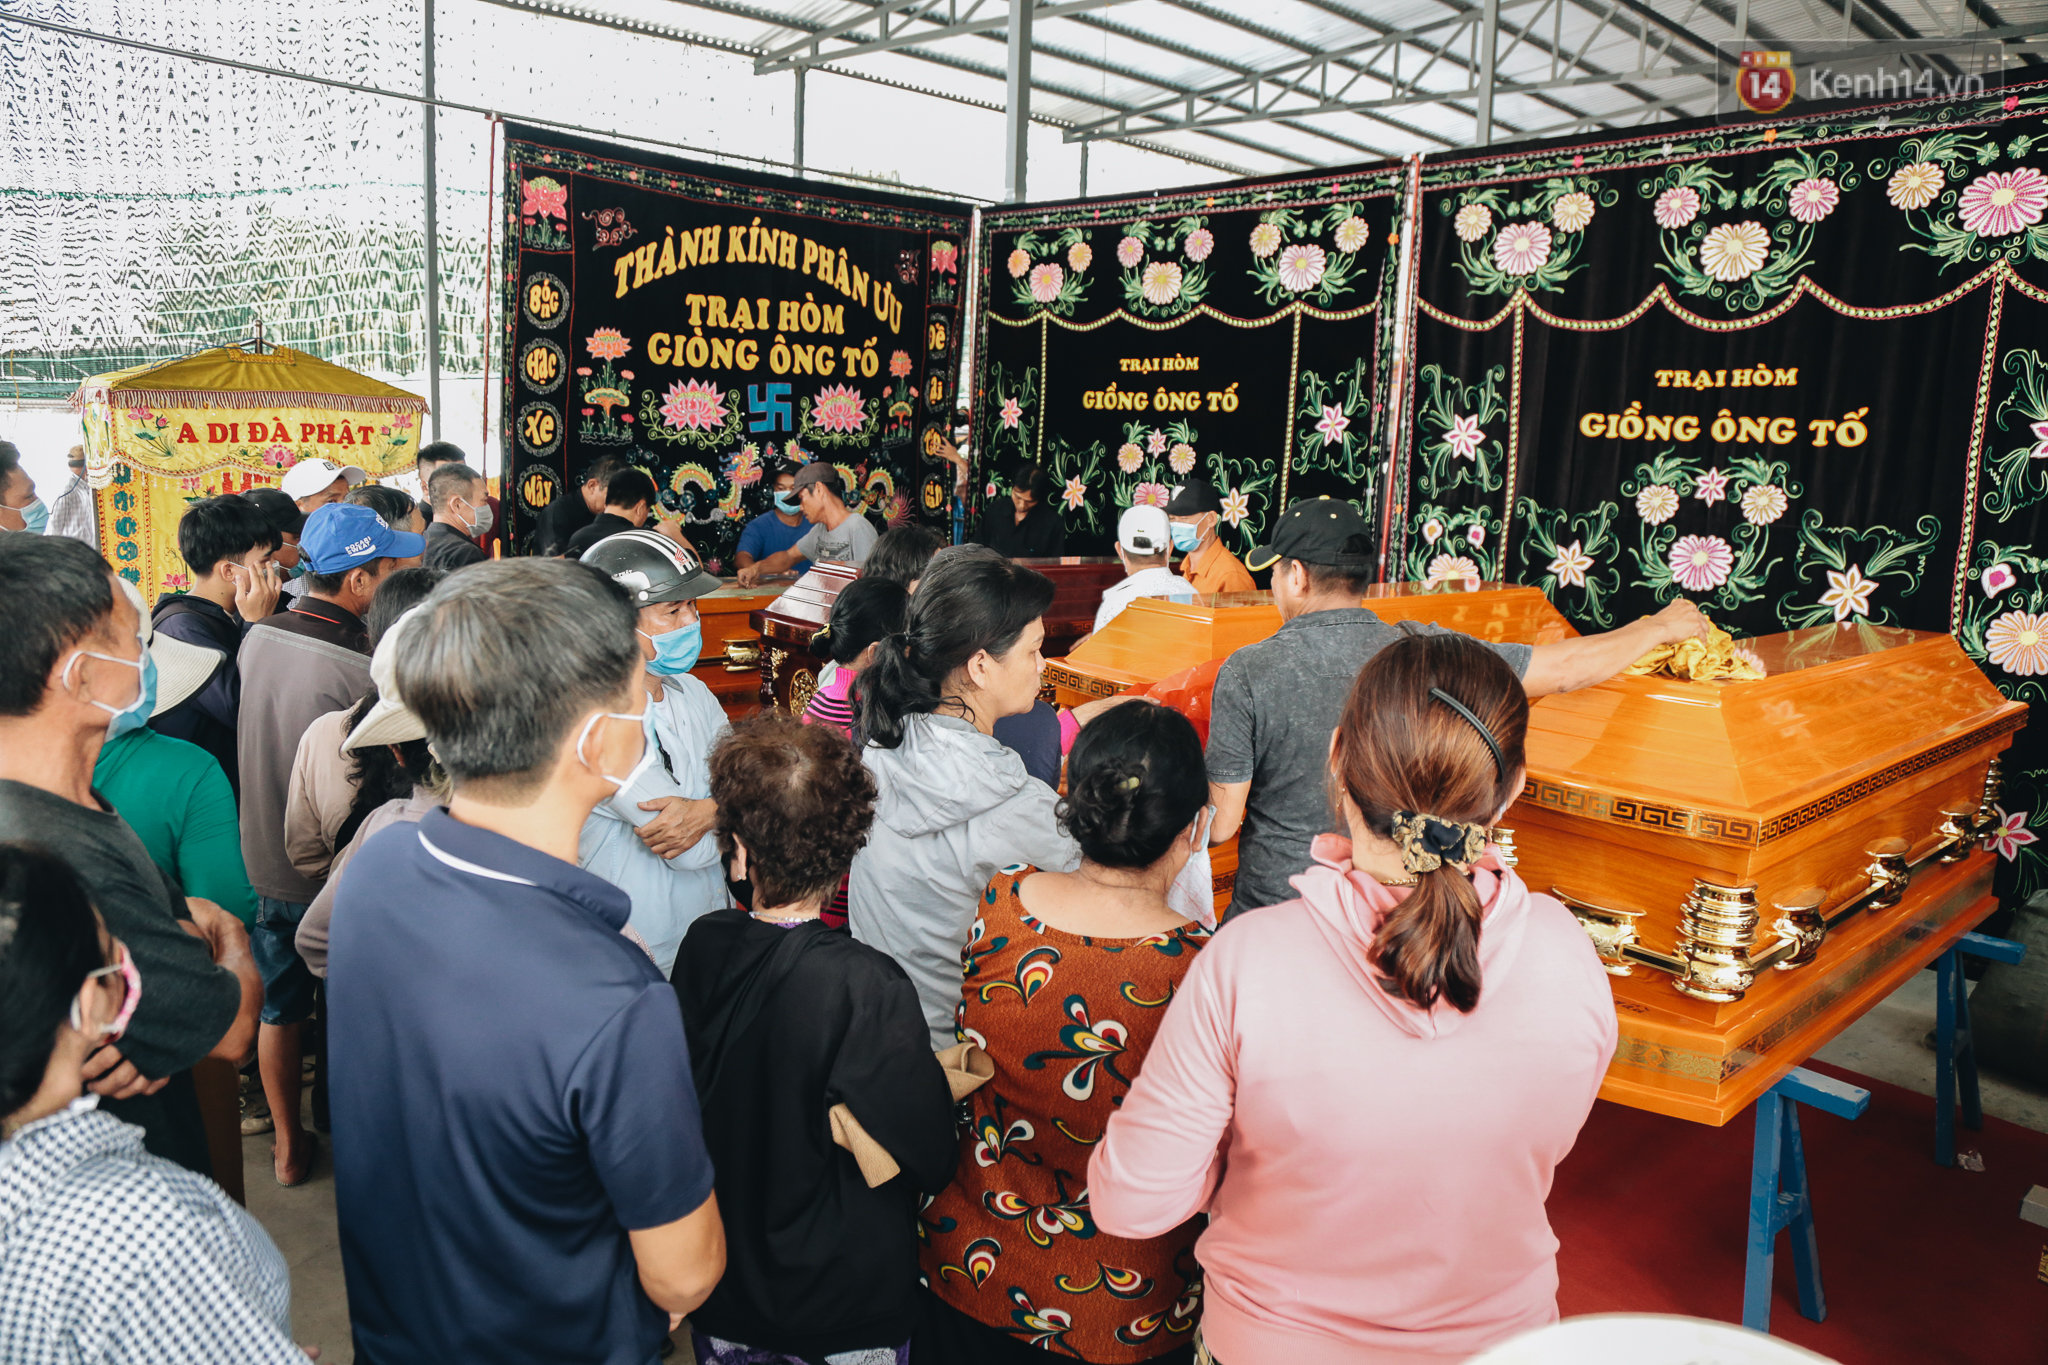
[(1228, 332), (702, 322), (1792, 370)]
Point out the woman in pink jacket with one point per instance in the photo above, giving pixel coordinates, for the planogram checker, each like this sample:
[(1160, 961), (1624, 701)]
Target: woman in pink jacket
[(1367, 1089)]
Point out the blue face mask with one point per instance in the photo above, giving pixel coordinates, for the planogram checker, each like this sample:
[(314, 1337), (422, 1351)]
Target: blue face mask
[(787, 502), (1186, 537), (676, 651), (35, 517), (135, 716)]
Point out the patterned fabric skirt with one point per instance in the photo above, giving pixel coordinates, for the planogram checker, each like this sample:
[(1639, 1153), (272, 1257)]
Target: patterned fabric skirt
[(711, 1350)]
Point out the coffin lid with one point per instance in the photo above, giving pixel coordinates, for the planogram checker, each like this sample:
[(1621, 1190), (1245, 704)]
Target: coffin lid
[(1844, 709)]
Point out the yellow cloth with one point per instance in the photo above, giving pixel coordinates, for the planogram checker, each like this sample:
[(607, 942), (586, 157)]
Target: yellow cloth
[(223, 421), (967, 1069), (1216, 570), (1714, 659)]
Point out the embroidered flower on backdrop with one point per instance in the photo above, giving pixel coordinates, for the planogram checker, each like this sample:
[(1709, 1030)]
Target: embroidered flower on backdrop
[(1199, 244), (279, 456), (1432, 531), (945, 258), (1352, 234), (1657, 504), (1129, 457), (1476, 534), (1472, 222), (1045, 282), (607, 343), (1676, 207), (1020, 261), (899, 364), (1997, 579), (2040, 450), (1076, 495), (1012, 413), (1236, 507), (1572, 211), (1813, 199), (1521, 248), (1151, 495), (1711, 487), (2010, 834), (1849, 593), (1914, 186), (1570, 566), (1129, 252), (1301, 266), (2000, 203), (1701, 563), (839, 409), (1160, 284), (1265, 240), (1450, 569), (1080, 256), (1182, 458), (1333, 425), (1156, 443), (1734, 251), (2018, 643), (693, 405), (1763, 504), (989, 490)]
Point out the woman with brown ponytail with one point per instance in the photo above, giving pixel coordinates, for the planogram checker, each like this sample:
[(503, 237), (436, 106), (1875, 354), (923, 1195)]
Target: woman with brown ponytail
[(1416, 1041)]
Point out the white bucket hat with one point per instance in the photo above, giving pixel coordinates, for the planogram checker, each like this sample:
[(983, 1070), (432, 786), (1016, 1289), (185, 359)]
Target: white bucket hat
[(390, 721), (182, 668)]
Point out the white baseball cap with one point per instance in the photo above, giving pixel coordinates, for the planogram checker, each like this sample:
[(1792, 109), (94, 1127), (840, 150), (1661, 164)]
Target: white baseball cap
[(1144, 530), (308, 477)]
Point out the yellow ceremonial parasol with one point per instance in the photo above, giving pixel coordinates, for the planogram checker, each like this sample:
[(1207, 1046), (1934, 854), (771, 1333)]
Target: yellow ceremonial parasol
[(223, 421)]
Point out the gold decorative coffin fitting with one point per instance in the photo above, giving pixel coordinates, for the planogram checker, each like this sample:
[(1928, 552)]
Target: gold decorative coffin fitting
[(1754, 860)]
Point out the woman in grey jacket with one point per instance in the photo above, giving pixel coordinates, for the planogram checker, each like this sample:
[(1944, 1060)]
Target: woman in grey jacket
[(953, 805)]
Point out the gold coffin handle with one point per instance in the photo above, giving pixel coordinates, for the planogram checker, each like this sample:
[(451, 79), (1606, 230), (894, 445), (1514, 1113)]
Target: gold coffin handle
[(1613, 931)]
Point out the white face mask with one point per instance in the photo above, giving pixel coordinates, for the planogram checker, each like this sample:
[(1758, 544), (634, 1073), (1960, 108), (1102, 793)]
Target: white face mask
[(647, 750)]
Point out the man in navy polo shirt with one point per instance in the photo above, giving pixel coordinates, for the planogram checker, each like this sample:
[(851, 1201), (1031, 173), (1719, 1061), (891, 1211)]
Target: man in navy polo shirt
[(519, 1170)]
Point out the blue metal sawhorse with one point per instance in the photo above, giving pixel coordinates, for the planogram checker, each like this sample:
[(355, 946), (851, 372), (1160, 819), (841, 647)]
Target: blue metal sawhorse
[(1955, 1054), (1779, 1196)]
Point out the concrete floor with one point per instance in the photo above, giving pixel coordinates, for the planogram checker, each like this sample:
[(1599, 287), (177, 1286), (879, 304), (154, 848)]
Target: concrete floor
[(1885, 1043)]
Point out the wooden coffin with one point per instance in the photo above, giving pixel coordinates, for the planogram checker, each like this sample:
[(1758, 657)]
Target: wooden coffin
[(1171, 651), (1153, 639), (1760, 861), (1078, 581), (789, 664), (731, 644)]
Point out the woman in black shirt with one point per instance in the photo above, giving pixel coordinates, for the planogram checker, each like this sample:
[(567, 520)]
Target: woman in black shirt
[(825, 1111)]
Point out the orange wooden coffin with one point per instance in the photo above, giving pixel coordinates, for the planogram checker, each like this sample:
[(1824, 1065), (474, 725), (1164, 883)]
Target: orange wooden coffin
[(1153, 639), (789, 661), (1759, 861)]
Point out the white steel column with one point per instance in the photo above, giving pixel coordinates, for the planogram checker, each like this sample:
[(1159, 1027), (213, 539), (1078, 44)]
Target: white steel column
[(433, 244), (1017, 102), (1489, 41)]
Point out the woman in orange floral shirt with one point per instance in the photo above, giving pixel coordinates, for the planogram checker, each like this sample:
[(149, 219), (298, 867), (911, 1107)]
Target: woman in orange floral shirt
[(1067, 975)]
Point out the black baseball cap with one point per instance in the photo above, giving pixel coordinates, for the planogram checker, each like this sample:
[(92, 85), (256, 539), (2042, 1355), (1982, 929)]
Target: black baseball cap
[(1193, 498), (1313, 531), (278, 509), (818, 471)]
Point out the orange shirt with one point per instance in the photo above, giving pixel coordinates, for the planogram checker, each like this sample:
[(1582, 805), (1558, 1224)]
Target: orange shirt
[(1216, 570)]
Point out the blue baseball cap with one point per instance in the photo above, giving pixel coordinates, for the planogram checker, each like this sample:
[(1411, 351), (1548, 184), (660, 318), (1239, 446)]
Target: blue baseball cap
[(340, 536)]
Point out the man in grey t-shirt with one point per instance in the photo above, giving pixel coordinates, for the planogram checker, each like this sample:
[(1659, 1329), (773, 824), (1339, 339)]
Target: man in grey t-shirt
[(1277, 701), (837, 533)]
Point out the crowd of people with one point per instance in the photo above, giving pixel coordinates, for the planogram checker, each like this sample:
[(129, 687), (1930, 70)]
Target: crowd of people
[(875, 1035)]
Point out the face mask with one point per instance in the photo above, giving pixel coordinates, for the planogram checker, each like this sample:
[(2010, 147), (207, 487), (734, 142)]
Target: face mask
[(131, 978), (788, 502), (136, 716), (145, 691), (483, 520), (676, 651), (646, 748), (1186, 537), (35, 517)]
